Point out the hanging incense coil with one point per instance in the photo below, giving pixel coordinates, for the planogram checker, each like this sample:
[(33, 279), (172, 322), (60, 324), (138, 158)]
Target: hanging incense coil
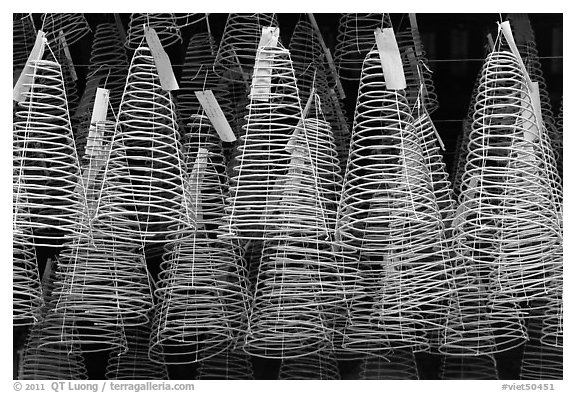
[(209, 192), (507, 197), (133, 363), (108, 69), (239, 44), (389, 217), (54, 363), (231, 364), (47, 198), (300, 278), (103, 281), (482, 367), (164, 24), (26, 291), (23, 39), (103, 288), (59, 361), (262, 157), (144, 191), (198, 75), (317, 366), (312, 72), (74, 26), (540, 361), (109, 62), (201, 289), (355, 39), (306, 53), (398, 364)]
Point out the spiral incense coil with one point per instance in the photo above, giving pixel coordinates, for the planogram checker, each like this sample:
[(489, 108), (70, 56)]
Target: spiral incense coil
[(507, 219), (313, 73), (418, 75), (198, 75), (306, 53), (109, 62), (144, 191), (133, 363), (53, 363), (398, 364), (355, 39), (540, 361), (192, 316), (103, 288), (389, 216), (202, 287), (74, 26), (164, 24), (26, 291), (59, 361), (23, 39), (239, 44), (317, 366), (301, 273), (482, 367), (262, 155), (288, 317), (46, 169), (231, 364), (472, 328), (108, 69)]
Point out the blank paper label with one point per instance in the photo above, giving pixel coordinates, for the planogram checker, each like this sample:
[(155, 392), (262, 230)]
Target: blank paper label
[(162, 61), (216, 115), (390, 59)]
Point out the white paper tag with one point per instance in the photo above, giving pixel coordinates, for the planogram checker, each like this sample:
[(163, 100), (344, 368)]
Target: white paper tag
[(216, 115), (269, 37), (68, 56), (328, 55), (415, 34), (100, 110), (89, 92), (26, 77), (390, 59), (120, 27), (262, 77), (161, 59), (505, 27)]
